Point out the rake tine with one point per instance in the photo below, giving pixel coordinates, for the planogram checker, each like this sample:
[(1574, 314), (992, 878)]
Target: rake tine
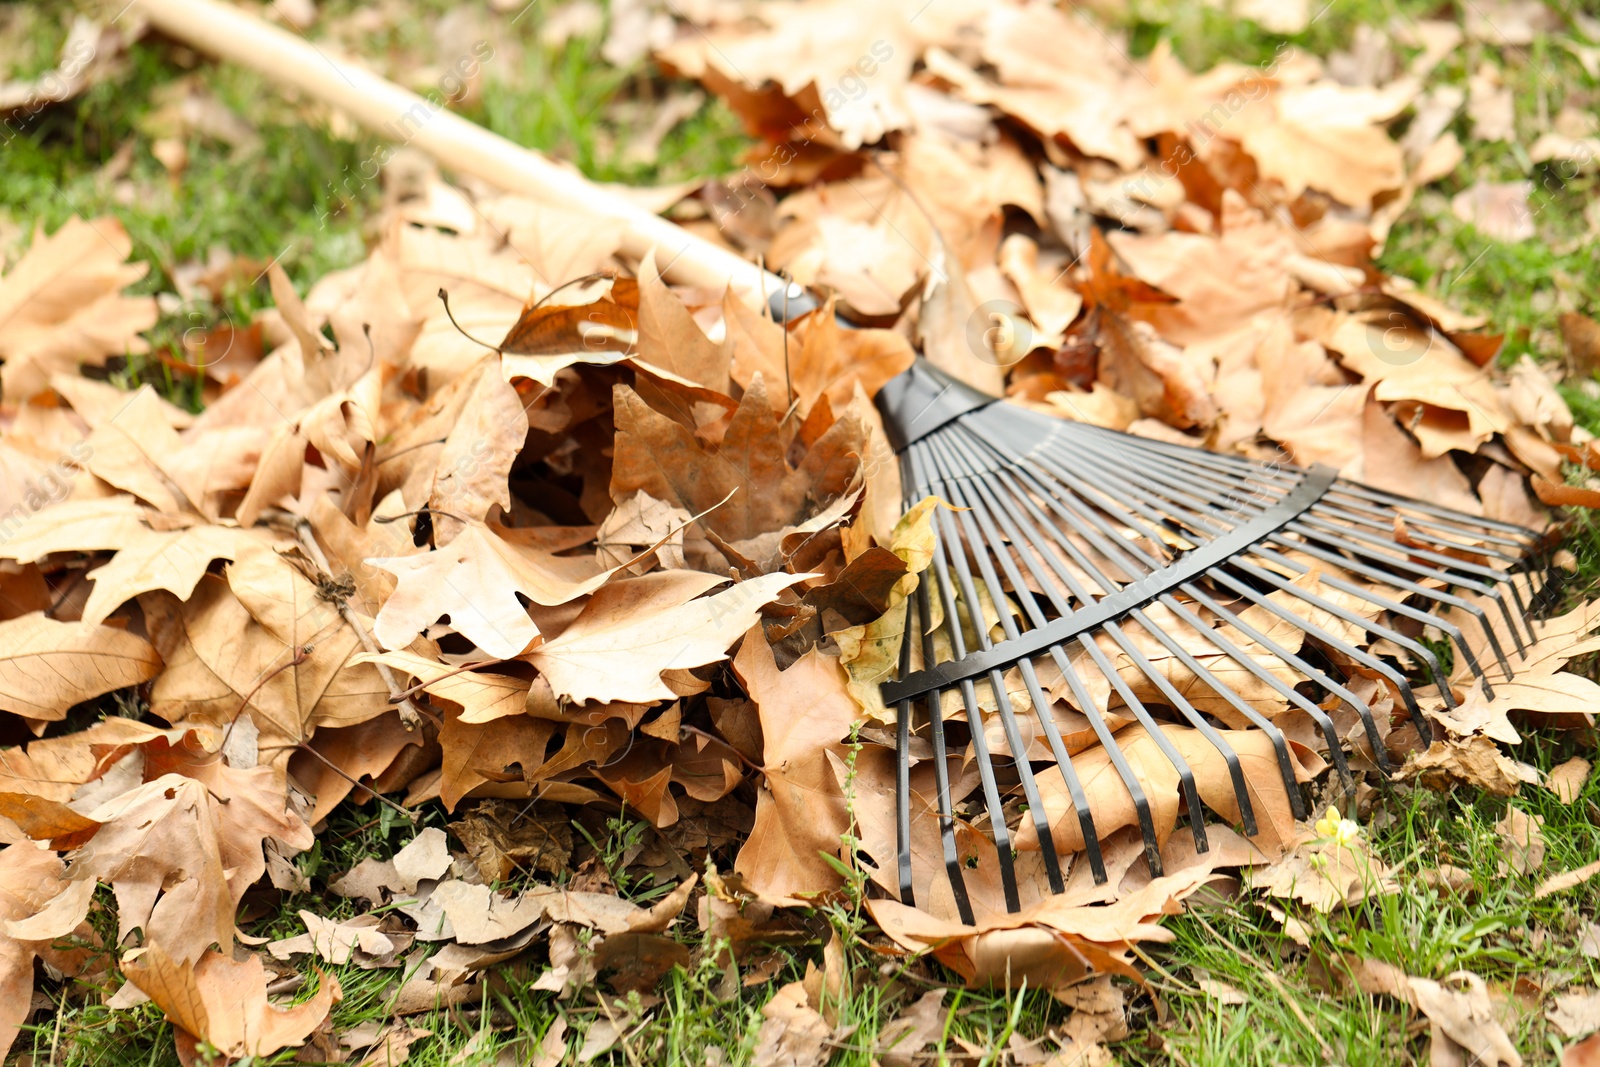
[(1483, 574), (1279, 744), (902, 779), (1429, 529), (1186, 781), (1493, 576), (1080, 693), (1316, 675), (1071, 529), (1118, 553), (1008, 721), (1142, 714), (1192, 715), (1367, 660), (1416, 648), (942, 556), (1401, 563), (1424, 654), (1141, 803), (1378, 496), (1361, 498), (979, 505), (1187, 710), (1396, 606), (941, 774), (1427, 657)]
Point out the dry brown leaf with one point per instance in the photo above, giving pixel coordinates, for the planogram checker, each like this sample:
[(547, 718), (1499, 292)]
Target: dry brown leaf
[(1566, 880), (793, 1033), (469, 478), (30, 879), (61, 304), (1576, 1013), (1112, 804), (743, 488), (149, 555), (1567, 780), (633, 631), (920, 1024), (219, 656), (1476, 761), (179, 853), (1521, 840), (475, 580), (224, 1002), (1326, 875), (333, 941), (1053, 942), (47, 666), (800, 811), (1462, 1015)]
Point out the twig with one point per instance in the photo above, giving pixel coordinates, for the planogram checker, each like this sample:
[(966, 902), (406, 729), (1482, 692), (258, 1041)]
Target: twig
[(410, 815), (409, 715), (301, 655), (421, 686)]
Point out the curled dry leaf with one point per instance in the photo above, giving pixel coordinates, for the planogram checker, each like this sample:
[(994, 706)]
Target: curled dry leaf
[(1465, 1028), (30, 881), (806, 716), (223, 1002), (1566, 880), (1567, 781), (1521, 840)]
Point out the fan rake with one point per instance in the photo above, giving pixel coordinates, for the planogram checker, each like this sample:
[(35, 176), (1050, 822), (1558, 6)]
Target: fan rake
[(1061, 541)]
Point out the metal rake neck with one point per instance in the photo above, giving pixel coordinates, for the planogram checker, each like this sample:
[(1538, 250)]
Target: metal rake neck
[(921, 400)]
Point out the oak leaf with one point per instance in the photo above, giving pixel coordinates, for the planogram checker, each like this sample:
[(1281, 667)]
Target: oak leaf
[(220, 657)]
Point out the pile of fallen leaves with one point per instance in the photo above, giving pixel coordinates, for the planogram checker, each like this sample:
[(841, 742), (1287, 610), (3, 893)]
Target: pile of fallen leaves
[(628, 559)]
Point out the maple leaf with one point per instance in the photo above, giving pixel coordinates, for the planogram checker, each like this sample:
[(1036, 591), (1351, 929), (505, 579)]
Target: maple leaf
[(62, 304), (151, 552), (220, 658), (475, 580), (47, 666), (632, 631), (806, 714), (748, 470), (178, 860)]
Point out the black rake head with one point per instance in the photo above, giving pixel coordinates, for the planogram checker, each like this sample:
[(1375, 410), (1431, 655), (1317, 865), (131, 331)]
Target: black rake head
[(1093, 591)]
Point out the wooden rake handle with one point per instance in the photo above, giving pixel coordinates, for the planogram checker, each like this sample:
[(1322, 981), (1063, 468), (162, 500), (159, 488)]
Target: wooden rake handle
[(226, 32)]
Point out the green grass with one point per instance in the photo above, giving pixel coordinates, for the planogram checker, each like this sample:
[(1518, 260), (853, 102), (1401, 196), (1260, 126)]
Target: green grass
[(1494, 929), (296, 196)]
